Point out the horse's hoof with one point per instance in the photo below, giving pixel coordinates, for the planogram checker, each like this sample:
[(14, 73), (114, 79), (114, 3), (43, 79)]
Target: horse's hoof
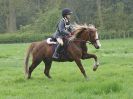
[(95, 66), (48, 76), (94, 69), (87, 79), (27, 77)]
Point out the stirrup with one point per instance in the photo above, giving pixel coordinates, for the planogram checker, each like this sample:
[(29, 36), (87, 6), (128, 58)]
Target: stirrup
[(56, 56)]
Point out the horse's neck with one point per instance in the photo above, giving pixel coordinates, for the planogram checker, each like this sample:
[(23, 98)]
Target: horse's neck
[(84, 46), (81, 37), (81, 45)]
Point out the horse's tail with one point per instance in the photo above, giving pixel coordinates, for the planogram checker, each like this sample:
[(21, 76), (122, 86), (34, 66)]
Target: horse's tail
[(27, 58)]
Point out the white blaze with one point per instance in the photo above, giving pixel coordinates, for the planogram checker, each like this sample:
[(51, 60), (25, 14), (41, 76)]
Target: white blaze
[(97, 41)]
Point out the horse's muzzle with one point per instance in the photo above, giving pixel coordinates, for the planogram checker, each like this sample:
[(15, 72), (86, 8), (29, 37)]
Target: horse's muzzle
[(96, 46)]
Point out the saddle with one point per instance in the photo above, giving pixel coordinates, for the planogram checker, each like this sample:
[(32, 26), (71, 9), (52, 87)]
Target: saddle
[(63, 54)]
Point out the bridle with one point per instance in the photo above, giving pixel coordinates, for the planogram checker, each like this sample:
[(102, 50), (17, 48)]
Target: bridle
[(93, 41), (80, 40), (90, 42)]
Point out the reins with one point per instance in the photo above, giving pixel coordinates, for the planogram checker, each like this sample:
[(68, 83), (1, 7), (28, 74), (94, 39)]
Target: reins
[(79, 40)]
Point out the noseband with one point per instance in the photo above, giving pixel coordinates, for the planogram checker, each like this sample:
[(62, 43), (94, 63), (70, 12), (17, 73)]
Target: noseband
[(92, 42)]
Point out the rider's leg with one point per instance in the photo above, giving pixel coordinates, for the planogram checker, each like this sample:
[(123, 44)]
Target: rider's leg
[(60, 41), (57, 50)]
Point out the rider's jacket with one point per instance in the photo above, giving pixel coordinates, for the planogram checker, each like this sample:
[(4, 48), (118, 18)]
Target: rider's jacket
[(63, 28)]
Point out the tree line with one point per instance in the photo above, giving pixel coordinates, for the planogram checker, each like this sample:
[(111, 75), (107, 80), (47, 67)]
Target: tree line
[(113, 18)]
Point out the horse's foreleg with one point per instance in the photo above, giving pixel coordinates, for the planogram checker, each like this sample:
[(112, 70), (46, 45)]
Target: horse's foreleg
[(48, 63), (78, 62), (96, 64)]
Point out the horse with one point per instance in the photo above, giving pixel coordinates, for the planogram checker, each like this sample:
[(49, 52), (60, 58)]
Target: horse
[(76, 49)]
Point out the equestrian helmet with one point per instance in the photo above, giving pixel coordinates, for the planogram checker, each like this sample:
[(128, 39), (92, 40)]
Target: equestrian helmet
[(66, 11)]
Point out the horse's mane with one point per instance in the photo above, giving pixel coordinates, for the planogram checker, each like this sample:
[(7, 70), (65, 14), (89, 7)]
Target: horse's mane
[(79, 28)]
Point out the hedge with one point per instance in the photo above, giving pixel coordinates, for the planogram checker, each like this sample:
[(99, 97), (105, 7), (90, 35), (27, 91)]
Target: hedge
[(31, 37), (21, 37)]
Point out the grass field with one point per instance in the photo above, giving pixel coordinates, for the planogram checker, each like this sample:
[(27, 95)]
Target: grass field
[(112, 80)]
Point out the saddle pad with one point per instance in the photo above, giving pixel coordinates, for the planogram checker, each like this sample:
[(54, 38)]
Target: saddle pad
[(51, 41)]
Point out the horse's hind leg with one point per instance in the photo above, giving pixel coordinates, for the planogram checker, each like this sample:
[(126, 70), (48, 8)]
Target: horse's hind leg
[(48, 63), (34, 64), (78, 62)]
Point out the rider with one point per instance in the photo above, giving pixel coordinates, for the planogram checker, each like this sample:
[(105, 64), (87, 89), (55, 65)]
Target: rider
[(64, 28)]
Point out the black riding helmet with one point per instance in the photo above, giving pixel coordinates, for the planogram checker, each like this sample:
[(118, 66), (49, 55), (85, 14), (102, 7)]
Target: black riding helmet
[(66, 11)]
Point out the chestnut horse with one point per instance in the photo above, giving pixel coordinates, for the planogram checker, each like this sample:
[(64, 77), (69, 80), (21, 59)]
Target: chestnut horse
[(76, 49)]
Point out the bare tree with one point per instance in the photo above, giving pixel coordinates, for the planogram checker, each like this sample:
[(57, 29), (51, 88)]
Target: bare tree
[(38, 3), (11, 19), (98, 2)]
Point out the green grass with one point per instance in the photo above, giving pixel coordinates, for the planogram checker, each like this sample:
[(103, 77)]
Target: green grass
[(112, 80)]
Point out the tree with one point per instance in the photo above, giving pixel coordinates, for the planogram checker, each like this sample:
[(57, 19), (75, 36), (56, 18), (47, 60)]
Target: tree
[(11, 19), (98, 2)]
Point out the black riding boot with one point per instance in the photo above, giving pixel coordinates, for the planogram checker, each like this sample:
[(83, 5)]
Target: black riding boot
[(56, 52)]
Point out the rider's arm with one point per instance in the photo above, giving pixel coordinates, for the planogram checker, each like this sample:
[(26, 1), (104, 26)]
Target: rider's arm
[(71, 28), (61, 27)]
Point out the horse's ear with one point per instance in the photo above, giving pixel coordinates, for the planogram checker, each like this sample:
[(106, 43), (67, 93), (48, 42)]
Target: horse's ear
[(85, 29)]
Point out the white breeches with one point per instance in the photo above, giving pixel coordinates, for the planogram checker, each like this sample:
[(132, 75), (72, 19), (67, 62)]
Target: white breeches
[(60, 41)]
